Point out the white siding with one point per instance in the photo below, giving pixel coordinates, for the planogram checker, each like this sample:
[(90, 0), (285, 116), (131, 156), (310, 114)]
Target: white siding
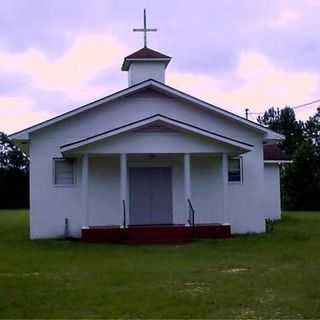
[(271, 194), (104, 192), (141, 71), (206, 193), (245, 205), (50, 205)]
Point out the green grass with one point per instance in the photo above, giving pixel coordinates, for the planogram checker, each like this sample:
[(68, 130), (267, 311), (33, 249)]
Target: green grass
[(274, 275)]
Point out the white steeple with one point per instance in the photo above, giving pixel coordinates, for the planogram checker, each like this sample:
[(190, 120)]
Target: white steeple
[(145, 63)]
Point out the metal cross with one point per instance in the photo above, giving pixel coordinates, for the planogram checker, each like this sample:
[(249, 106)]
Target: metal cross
[(145, 29)]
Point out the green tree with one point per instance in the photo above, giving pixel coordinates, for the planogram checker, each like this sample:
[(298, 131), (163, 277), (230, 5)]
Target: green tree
[(301, 179), (312, 131), (10, 155), (284, 121), (14, 175)]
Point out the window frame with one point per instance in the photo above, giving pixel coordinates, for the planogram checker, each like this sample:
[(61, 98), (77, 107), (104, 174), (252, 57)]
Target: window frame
[(241, 169), (64, 185)]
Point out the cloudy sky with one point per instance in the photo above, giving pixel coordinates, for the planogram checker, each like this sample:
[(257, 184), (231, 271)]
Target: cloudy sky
[(56, 55)]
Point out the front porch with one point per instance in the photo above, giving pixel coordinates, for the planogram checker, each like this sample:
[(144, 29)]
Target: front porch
[(155, 180), (191, 205)]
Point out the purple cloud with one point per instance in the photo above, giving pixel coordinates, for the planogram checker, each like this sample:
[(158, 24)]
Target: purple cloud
[(207, 39)]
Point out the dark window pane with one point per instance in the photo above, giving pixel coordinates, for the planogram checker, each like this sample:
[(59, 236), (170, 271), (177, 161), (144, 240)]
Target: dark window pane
[(234, 170), (234, 176)]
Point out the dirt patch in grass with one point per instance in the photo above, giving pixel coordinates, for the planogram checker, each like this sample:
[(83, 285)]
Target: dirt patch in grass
[(235, 270), (19, 275), (267, 296), (195, 288)]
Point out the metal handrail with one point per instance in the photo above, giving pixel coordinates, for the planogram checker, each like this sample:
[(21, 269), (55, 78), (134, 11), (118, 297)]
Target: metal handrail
[(191, 219), (124, 213)]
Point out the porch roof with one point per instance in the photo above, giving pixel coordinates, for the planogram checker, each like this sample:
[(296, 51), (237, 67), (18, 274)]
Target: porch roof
[(158, 118)]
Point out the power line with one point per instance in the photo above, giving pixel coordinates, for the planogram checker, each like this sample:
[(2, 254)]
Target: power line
[(294, 107), (306, 104)]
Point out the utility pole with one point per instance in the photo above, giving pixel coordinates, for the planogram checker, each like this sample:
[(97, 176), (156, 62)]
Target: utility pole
[(247, 113)]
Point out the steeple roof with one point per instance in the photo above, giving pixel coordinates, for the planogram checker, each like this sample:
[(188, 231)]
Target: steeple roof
[(144, 54)]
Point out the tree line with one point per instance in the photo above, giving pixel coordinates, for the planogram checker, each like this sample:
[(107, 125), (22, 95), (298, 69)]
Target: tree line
[(300, 180), (14, 175)]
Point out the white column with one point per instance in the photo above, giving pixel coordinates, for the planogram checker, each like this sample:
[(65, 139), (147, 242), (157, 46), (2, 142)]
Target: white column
[(187, 181), (224, 171), (85, 180), (123, 184)]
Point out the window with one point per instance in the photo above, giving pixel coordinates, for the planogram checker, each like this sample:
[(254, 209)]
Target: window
[(235, 170), (64, 171)]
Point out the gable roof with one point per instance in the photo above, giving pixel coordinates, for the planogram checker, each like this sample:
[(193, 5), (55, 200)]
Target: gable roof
[(147, 53), (158, 118), (144, 54), (160, 87)]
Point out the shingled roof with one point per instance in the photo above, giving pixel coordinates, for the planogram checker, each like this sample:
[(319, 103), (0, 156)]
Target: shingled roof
[(273, 152), (143, 54)]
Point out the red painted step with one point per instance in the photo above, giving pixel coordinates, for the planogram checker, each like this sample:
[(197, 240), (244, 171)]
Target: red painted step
[(159, 234), (154, 233)]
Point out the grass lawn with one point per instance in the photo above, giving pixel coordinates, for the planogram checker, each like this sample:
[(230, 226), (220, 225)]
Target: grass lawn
[(274, 275)]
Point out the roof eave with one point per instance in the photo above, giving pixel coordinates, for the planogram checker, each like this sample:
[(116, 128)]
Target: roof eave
[(20, 136), (272, 137), (277, 161), (127, 61)]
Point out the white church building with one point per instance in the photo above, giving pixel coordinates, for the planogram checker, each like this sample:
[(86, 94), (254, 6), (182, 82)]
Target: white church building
[(149, 163)]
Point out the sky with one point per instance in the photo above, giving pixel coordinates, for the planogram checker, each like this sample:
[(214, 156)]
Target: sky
[(56, 55)]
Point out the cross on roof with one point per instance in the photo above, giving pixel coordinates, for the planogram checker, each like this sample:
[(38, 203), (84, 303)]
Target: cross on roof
[(145, 29)]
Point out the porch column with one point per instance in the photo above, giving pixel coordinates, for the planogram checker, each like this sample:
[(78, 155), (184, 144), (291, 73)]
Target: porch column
[(124, 188), (224, 171), (84, 191), (187, 181)]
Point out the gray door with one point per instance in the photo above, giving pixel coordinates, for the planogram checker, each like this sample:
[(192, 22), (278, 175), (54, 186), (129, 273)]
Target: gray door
[(150, 195)]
